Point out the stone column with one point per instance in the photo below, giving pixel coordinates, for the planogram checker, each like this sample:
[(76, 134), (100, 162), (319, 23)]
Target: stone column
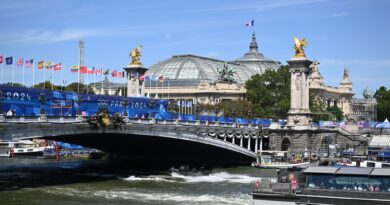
[(299, 110)]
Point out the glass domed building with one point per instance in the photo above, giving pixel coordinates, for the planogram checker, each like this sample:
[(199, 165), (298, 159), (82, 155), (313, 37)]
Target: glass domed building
[(196, 78)]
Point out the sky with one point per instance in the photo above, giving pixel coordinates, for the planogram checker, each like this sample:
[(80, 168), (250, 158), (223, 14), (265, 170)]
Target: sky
[(351, 34)]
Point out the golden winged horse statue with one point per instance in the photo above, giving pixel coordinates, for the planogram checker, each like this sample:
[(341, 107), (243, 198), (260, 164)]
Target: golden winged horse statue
[(135, 55), (298, 46)]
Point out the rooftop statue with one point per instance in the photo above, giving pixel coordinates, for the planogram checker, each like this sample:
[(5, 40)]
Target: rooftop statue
[(135, 55), (298, 46), (225, 74), (346, 73)]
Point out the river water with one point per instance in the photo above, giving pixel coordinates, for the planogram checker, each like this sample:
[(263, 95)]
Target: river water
[(68, 182)]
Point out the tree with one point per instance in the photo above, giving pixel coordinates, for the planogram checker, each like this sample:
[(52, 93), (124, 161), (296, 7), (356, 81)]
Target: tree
[(47, 85), (336, 112), (382, 96), (270, 93), (236, 108), (74, 87), (14, 84)]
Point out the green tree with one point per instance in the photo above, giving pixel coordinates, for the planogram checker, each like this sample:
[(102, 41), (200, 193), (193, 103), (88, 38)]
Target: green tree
[(74, 87), (382, 96), (336, 112), (270, 93), (241, 108), (47, 85), (14, 84)]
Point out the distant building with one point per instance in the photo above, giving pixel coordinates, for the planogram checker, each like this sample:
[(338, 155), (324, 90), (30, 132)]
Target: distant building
[(196, 78), (331, 96), (364, 109)]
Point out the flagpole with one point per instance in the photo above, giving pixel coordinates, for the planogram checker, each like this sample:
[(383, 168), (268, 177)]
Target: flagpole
[(102, 87), (62, 81), (86, 92), (23, 72), (2, 72), (44, 75), (94, 80), (78, 81), (13, 68), (52, 80), (33, 74)]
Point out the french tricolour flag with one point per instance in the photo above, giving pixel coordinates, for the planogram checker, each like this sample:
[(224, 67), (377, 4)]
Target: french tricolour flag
[(250, 23)]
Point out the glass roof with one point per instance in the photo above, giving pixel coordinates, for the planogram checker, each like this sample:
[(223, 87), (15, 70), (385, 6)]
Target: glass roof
[(197, 68)]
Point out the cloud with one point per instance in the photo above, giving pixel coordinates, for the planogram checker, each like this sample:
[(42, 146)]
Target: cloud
[(48, 36), (261, 6), (339, 14)]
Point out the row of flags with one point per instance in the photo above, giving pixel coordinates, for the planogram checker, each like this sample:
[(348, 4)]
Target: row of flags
[(30, 63), (82, 69)]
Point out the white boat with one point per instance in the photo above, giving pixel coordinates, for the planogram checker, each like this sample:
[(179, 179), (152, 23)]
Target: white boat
[(277, 160), (365, 163), (282, 165), (23, 147)]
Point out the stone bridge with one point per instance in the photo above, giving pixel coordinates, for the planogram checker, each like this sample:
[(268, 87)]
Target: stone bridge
[(140, 139)]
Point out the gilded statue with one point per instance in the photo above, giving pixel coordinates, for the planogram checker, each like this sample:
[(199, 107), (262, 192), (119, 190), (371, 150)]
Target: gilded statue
[(135, 55), (298, 46)]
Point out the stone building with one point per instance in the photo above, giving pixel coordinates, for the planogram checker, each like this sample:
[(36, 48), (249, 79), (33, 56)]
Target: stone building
[(331, 96), (191, 77)]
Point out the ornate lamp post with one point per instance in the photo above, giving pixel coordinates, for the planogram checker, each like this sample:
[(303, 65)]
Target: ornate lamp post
[(216, 111), (125, 103), (2, 119), (42, 99), (197, 111), (233, 116), (79, 100), (249, 115), (151, 105)]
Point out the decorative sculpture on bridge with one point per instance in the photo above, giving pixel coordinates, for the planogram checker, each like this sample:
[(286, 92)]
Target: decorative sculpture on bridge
[(298, 46), (135, 55)]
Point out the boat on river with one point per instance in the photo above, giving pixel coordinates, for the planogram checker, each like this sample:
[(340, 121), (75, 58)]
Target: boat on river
[(23, 148), (329, 185)]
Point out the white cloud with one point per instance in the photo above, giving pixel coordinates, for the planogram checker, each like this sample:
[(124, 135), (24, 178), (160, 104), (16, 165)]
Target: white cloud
[(340, 14), (259, 6)]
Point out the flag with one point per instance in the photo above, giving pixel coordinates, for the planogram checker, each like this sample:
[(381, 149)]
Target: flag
[(114, 73), (41, 64), (83, 69), (57, 66), (19, 62), (92, 71), (99, 71), (29, 63), (1, 59), (74, 69), (49, 65), (9, 60), (250, 23), (142, 77), (161, 78), (107, 72)]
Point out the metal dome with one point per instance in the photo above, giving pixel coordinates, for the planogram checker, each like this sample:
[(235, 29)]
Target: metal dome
[(255, 60), (192, 69)]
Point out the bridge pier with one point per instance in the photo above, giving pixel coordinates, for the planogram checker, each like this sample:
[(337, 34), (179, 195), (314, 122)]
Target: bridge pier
[(256, 143)]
